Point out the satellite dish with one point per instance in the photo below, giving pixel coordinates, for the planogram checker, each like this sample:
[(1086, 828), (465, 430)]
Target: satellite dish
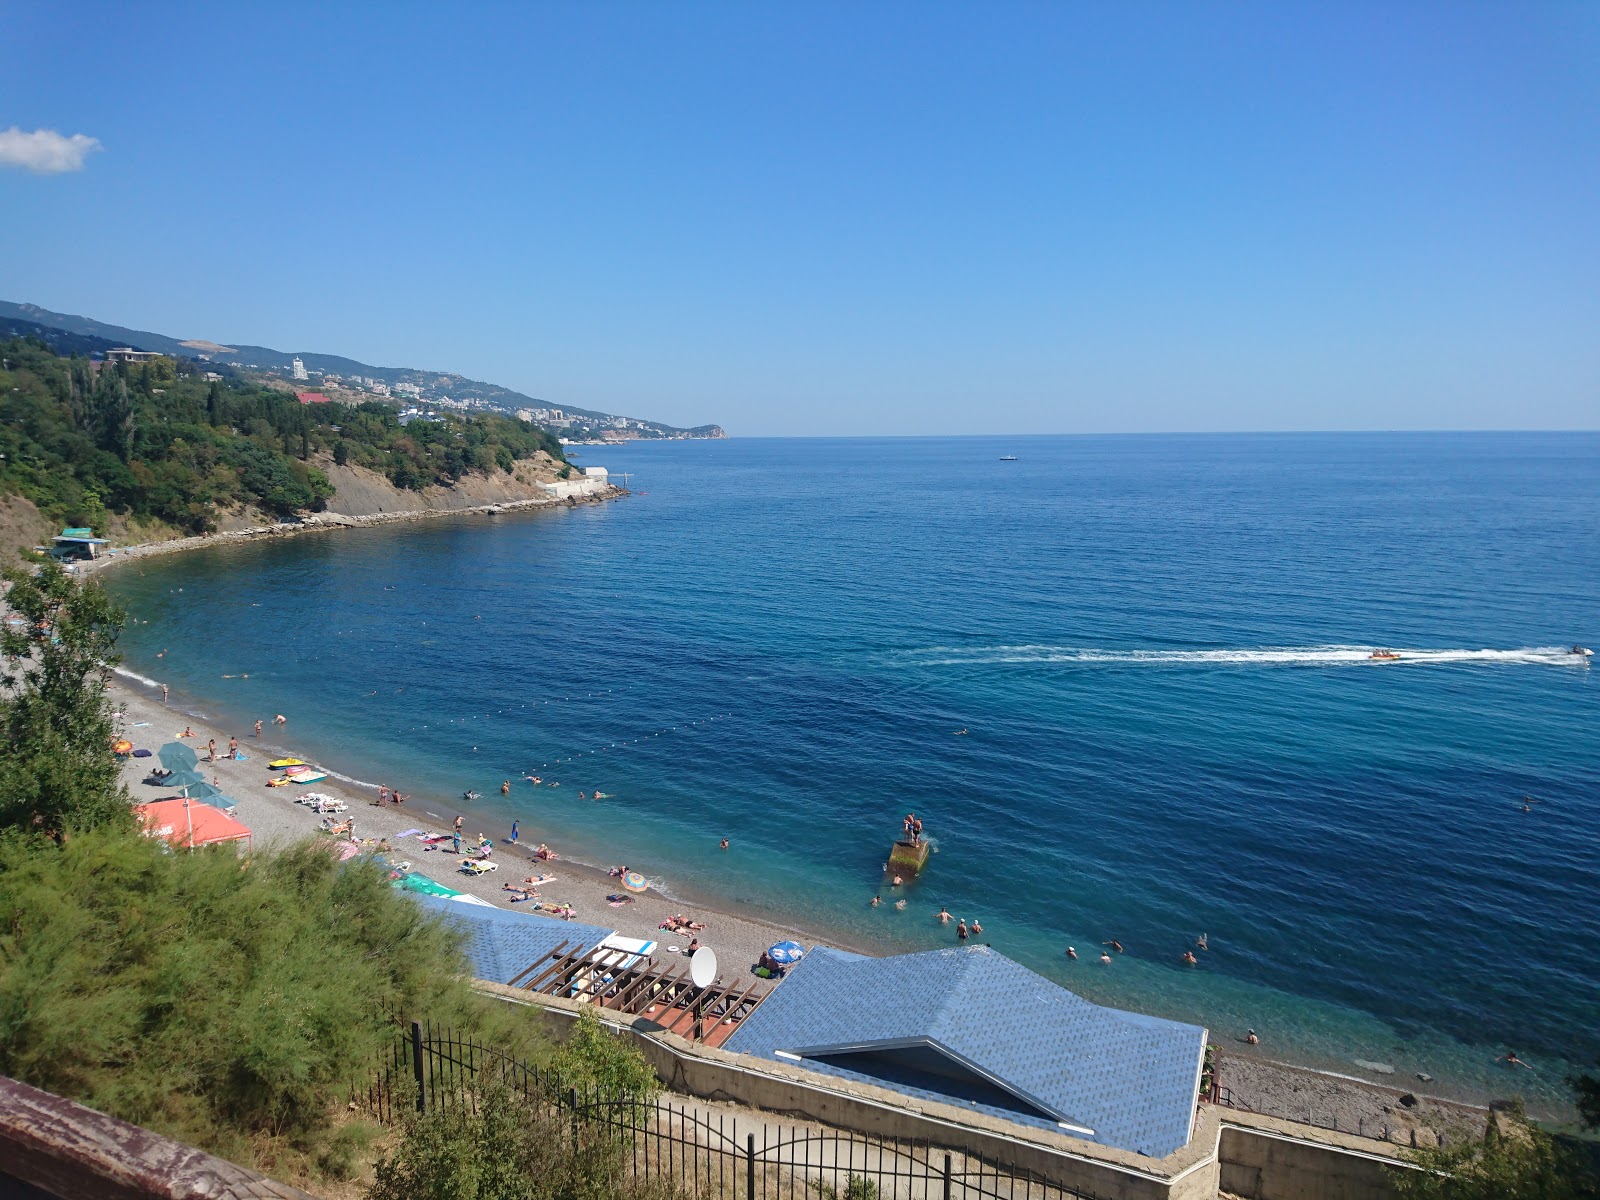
[(703, 967)]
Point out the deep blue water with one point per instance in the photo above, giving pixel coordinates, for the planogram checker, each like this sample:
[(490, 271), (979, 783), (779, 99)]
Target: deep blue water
[(1157, 645)]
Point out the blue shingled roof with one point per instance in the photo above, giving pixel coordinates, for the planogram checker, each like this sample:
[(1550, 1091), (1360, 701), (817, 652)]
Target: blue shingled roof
[(968, 1026), (501, 943)]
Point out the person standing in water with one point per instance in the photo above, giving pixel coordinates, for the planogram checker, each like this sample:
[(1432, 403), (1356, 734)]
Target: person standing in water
[(513, 832), (258, 728)]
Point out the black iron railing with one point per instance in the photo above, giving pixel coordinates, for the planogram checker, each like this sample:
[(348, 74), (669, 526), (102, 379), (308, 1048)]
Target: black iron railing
[(710, 1152)]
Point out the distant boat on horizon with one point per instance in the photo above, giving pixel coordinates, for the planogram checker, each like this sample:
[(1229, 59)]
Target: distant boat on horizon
[(1008, 458)]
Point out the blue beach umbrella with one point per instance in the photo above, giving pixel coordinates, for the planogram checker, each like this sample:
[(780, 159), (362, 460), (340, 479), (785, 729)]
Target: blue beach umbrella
[(786, 952)]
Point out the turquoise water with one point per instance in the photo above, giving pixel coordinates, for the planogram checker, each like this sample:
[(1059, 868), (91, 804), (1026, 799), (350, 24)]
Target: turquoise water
[(1157, 646)]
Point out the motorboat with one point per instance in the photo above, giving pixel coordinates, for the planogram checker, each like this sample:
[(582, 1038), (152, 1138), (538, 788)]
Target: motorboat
[(1384, 656), (1582, 652), (1008, 458)]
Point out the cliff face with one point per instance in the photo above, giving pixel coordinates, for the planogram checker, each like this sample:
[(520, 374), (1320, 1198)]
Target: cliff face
[(21, 526), (360, 492)]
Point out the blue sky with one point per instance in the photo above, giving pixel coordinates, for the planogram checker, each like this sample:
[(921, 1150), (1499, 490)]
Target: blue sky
[(918, 218)]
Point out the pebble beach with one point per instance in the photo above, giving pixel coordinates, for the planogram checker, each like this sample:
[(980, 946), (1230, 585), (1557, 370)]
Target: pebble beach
[(275, 819)]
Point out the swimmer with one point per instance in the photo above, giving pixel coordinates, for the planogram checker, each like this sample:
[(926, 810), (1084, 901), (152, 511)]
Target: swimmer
[(1250, 1037), (505, 788), (877, 900), (1188, 957), (1114, 944), (1105, 959), (977, 929), (1511, 1060), (1202, 943), (280, 719), (582, 795), (723, 844), (962, 732), (897, 881), (1071, 953), (899, 906), (944, 916)]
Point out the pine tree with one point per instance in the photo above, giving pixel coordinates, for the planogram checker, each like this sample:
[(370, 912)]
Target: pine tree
[(57, 775)]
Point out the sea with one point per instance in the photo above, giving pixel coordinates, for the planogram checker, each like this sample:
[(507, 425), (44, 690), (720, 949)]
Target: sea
[(1124, 681)]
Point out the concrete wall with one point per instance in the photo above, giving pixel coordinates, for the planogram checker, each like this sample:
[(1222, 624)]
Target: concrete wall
[(1260, 1162), (566, 489)]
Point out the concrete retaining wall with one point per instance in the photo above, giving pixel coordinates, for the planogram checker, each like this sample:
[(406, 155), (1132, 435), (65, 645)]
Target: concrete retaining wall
[(1273, 1164)]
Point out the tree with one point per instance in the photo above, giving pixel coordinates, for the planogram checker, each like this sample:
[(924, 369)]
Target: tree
[(1515, 1160), (57, 776), (226, 1004), (593, 1059), (1587, 1088)]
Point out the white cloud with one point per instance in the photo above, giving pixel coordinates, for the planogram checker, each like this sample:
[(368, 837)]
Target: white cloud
[(44, 151)]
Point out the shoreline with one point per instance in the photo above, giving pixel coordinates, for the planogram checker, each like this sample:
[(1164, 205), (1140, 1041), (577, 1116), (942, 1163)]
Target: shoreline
[(326, 521), (1256, 1083)]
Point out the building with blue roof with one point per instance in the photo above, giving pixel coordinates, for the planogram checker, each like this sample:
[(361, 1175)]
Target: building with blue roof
[(501, 943), (969, 1027)]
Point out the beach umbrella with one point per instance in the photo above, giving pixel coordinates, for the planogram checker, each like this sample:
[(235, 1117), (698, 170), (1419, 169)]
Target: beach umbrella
[(634, 882), (122, 747), (183, 779), (141, 754), (175, 756), (785, 952)]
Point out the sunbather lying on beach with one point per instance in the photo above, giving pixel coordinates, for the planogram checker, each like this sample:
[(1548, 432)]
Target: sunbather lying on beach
[(681, 924), (536, 880), (518, 893)]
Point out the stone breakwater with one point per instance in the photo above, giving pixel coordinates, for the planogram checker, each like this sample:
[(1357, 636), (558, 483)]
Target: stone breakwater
[(325, 521)]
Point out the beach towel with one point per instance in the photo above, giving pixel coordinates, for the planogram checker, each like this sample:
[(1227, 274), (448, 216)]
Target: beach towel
[(407, 833)]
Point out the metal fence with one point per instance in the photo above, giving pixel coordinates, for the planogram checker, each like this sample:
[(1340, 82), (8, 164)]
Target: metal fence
[(707, 1152)]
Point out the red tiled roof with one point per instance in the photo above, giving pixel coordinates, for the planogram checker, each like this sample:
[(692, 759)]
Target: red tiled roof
[(312, 398)]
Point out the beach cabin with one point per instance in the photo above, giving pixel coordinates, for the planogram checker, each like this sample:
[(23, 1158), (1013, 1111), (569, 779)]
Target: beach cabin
[(76, 545), (599, 473)]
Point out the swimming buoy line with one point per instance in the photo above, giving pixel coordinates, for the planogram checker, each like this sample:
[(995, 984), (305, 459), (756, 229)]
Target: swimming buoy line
[(515, 708), (638, 741)]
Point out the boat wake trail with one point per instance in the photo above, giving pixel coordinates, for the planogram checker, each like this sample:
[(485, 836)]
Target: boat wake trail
[(1266, 656), (135, 676)]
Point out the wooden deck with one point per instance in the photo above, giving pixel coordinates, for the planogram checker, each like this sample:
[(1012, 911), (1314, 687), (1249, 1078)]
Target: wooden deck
[(663, 994)]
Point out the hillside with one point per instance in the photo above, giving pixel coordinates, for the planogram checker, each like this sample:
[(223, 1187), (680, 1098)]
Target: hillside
[(390, 384), (159, 447)]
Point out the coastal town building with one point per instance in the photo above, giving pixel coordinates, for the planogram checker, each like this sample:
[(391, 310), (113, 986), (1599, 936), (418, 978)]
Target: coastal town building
[(127, 354), (299, 369)]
